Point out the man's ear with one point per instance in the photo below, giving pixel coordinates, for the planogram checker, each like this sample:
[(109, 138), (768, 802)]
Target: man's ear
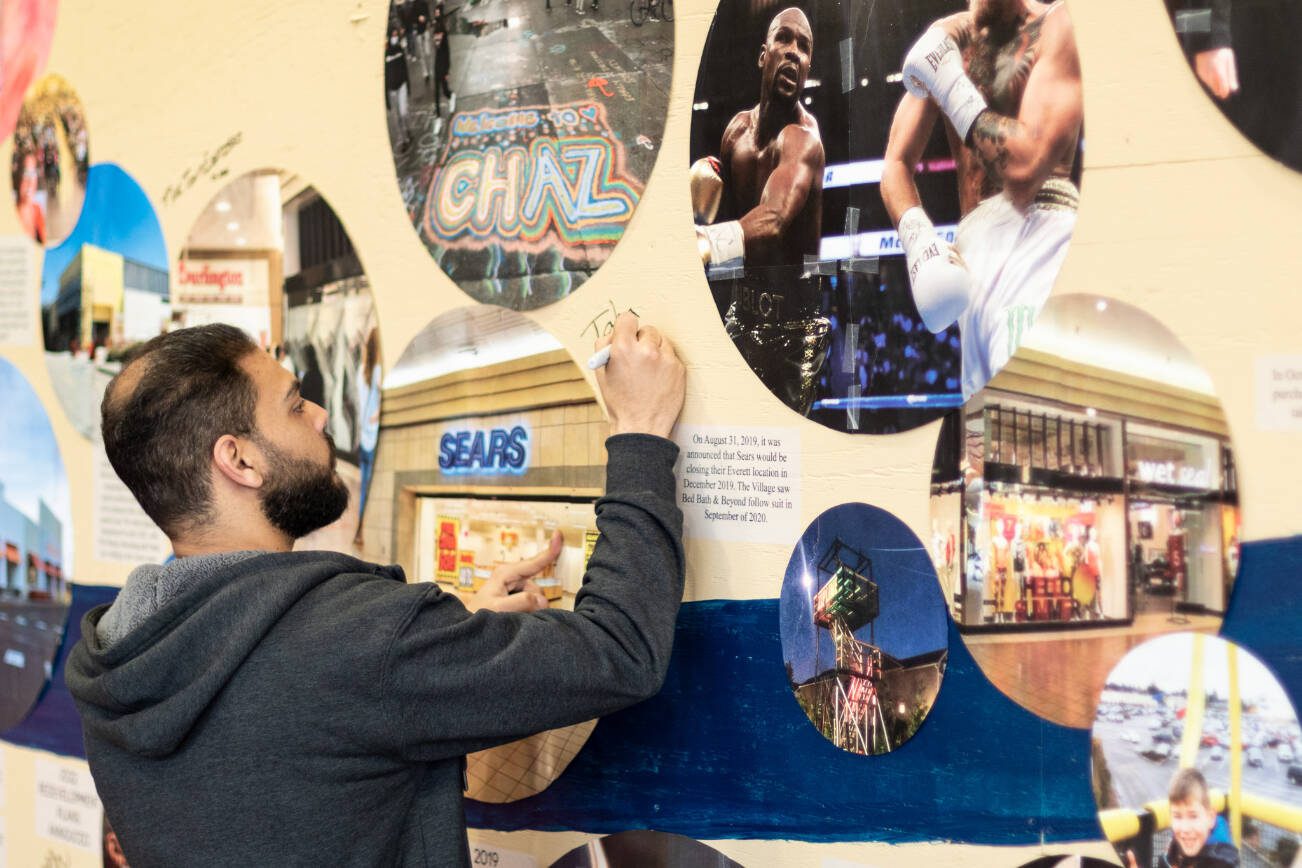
[(763, 51), (238, 459)]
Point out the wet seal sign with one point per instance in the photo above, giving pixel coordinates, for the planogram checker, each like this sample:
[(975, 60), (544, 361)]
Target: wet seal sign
[(531, 179)]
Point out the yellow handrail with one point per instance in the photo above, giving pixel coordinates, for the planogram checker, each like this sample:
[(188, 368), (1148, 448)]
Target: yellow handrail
[(1236, 747), (1193, 712), (1120, 824)]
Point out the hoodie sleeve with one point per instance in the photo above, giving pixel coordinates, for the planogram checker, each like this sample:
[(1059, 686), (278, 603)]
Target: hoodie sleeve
[(455, 682)]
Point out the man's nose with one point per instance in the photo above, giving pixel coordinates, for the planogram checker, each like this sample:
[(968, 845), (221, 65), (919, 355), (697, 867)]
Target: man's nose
[(321, 417)]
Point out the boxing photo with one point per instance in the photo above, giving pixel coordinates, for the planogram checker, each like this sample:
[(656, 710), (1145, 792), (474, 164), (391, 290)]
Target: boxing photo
[(884, 194)]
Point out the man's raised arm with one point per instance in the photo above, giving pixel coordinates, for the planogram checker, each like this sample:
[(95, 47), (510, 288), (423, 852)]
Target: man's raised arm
[(785, 193), (787, 189)]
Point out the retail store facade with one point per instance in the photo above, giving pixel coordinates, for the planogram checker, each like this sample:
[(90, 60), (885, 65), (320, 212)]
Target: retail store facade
[(478, 467), (1049, 512)]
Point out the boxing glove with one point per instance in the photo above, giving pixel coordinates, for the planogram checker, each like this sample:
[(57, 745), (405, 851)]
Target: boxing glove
[(707, 189), (934, 67), (941, 284), (722, 244)]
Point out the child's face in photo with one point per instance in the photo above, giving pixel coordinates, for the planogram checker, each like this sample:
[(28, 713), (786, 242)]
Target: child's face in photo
[(1191, 823)]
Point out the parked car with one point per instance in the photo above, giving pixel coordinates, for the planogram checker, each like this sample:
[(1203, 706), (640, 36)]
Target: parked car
[(1254, 757), (1285, 754), (1160, 753), (1295, 775)]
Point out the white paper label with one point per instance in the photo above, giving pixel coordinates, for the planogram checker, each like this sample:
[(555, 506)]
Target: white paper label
[(67, 808), (740, 483), (122, 532), (17, 290), (487, 856), (1279, 393)]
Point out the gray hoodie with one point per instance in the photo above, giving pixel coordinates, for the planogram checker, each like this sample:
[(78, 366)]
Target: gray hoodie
[(310, 708)]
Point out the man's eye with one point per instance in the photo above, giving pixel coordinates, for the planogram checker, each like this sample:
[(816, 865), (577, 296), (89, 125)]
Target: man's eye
[(298, 408)]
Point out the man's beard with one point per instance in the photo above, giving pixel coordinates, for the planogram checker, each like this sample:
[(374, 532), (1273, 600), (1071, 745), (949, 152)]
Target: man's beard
[(301, 496)]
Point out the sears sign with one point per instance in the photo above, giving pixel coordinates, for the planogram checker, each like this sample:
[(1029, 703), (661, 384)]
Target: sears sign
[(485, 452)]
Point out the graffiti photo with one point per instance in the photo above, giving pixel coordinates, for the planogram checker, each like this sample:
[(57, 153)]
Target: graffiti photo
[(523, 135)]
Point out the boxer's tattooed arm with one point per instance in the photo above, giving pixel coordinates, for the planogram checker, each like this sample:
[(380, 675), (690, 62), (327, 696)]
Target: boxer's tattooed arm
[(1000, 67), (990, 134)]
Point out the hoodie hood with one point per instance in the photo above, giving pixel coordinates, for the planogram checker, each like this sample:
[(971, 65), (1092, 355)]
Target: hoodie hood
[(144, 672)]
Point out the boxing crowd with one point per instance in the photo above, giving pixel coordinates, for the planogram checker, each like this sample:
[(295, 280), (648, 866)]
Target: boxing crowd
[(895, 354)]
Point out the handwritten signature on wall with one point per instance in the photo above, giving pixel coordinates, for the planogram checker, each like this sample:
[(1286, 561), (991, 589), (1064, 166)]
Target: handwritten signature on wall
[(604, 323), (209, 166)]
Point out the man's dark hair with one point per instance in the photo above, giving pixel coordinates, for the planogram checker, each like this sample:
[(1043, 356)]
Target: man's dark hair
[(181, 391)]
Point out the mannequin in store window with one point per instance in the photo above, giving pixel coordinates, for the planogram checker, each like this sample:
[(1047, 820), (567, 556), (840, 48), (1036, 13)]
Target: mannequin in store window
[(1001, 569)]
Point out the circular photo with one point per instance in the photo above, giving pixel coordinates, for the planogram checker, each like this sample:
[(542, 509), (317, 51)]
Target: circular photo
[(36, 535), (1086, 500), (491, 444), (523, 134), (644, 848), (104, 289), (269, 254), (1244, 54), (884, 194), (1067, 862), (51, 160), (864, 633), (26, 31), (1195, 757)]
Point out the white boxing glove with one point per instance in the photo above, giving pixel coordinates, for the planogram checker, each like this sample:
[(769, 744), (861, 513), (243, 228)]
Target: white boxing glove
[(934, 67), (707, 189), (722, 244), (941, 284)]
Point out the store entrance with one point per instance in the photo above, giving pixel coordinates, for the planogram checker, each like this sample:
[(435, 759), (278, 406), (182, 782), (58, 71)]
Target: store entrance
[(462, 539), (1174, 558)]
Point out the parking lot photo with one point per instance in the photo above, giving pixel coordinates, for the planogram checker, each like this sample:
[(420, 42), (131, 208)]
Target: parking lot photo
[(1196, 755)]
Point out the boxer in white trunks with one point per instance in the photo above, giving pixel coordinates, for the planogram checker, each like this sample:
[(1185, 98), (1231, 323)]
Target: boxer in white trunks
[(1005, 76)]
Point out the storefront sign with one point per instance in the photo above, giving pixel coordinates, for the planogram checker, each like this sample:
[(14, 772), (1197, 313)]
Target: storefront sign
[(485, 452), (1171, 473), (222, 281)]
